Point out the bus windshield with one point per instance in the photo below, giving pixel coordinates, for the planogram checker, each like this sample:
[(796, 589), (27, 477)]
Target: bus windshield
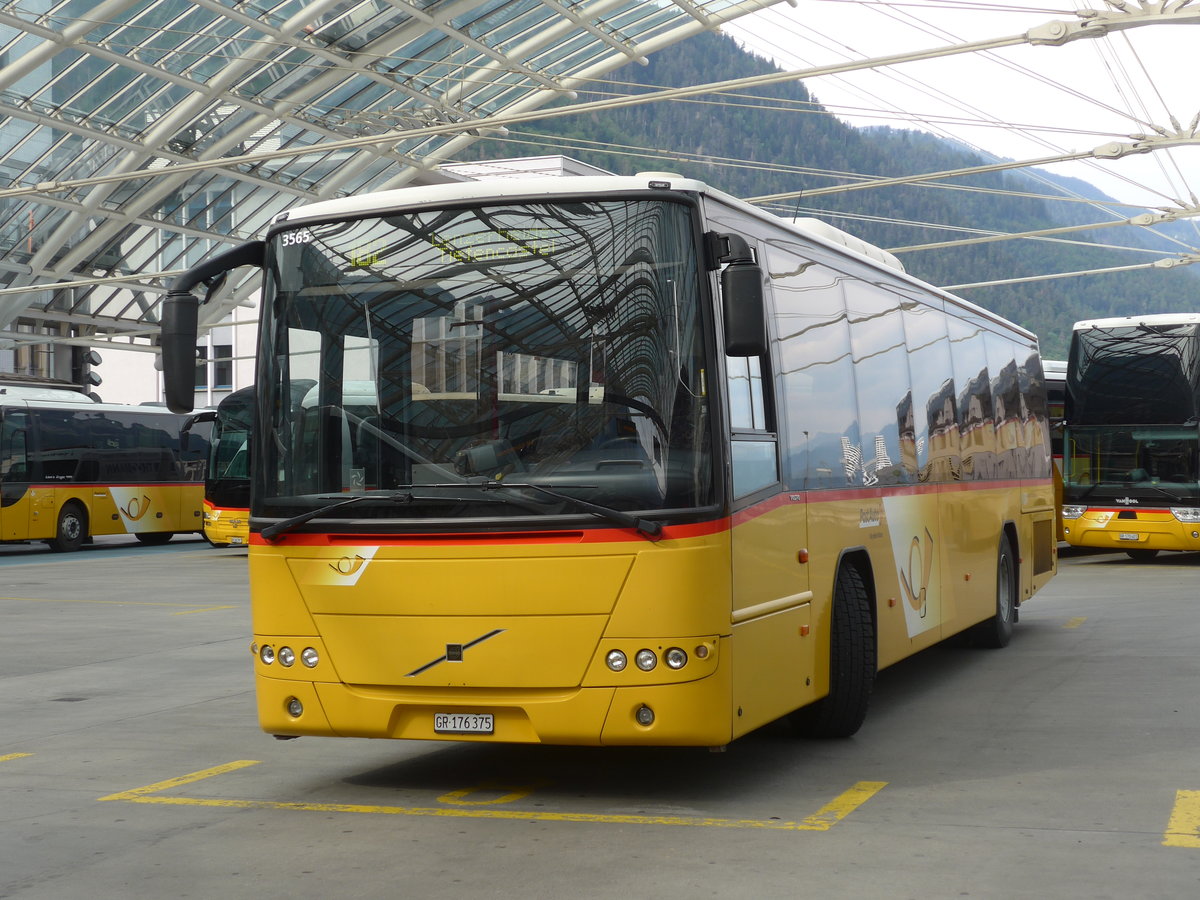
[(1141, 455), (556, 344)]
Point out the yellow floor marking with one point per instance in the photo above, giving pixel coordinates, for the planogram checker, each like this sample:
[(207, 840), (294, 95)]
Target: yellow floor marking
[(824, 819), (14, 756), (1075, 622), (188, 612), (139, 793), (1183, 830), (184, 606), (844, 804)]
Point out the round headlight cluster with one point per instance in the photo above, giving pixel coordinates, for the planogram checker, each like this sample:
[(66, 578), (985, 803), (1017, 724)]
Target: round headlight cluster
[(286, 656), (647, 660)]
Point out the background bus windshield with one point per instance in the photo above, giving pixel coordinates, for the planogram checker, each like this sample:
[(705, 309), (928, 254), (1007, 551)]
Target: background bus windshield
[(553, 344)]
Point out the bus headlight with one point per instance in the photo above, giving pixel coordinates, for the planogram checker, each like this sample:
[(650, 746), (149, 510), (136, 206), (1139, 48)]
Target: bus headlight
[(1187, 514), (1073, 512), (267, 654), (287, 656), (676, 658), (616, 660), (309, 657), (646, 660)]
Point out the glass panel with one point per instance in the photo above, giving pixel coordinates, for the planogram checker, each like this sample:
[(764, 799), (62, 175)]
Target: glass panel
[(754, 466), (818, 374), (934, 447), (976, 434), (552, 344), (881, 379)]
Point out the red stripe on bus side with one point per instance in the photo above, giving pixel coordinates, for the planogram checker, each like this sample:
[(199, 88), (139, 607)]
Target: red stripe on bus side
[(624, 535)]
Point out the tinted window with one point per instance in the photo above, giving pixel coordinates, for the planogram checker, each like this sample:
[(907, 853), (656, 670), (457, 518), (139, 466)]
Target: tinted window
[(821, 421)]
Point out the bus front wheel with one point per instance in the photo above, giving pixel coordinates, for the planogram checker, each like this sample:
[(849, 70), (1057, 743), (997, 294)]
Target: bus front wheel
[(71, 530), (852, 661)]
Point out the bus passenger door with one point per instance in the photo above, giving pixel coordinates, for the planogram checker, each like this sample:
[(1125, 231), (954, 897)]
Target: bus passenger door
[(14, 477), (772, 647)]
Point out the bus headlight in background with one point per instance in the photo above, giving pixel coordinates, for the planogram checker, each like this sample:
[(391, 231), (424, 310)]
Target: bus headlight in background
[(1189, 514), (1073, 512)]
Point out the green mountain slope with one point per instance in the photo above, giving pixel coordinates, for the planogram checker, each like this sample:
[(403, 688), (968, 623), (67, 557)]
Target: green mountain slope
[(785, 134)]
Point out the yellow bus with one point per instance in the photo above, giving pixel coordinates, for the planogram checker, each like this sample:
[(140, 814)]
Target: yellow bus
[(1056, 399), (616, 460), (1132, 443), (227, 477), (71, 469)]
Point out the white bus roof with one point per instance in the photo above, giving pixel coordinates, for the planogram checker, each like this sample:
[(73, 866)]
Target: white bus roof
[(1129, 321), (380, 202), (551, 185)]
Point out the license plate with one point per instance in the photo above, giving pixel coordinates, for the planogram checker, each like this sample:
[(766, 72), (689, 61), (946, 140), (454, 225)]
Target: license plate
[(463, 723), (1129, 536), (236, 540)]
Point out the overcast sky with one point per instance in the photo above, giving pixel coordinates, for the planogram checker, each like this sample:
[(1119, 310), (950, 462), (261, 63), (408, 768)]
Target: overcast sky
[(1024, 102)]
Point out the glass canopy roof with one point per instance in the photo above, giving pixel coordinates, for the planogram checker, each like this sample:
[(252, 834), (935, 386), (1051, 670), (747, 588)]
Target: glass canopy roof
[(138, 136)]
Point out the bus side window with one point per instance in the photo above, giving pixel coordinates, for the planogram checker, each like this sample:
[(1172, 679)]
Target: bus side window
[(753, 453)]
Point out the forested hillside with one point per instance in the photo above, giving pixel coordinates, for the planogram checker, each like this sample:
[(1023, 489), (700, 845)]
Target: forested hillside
[(789, 129)]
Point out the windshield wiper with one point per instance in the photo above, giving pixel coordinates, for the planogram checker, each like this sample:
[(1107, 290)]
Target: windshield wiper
[(398, 497), (648, 528)]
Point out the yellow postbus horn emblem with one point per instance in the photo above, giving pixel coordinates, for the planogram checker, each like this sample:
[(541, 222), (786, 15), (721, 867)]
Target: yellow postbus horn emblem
[(135, 508), (916, 598), (348, 565)]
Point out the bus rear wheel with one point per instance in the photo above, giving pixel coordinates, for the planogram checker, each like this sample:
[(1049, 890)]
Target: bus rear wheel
[(852, 661), (154, 538), (71, 529), (1142, 555), (997, 631)]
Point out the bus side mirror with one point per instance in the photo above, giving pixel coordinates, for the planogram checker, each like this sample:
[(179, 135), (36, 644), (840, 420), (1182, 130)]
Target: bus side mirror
[(742, 300), (180, 315), (178, 340)]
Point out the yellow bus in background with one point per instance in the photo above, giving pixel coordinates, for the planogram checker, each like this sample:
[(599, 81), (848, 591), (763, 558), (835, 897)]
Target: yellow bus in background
[(1132, 439), (616, 461), (1056, 399), (71, 469), (227, 479)]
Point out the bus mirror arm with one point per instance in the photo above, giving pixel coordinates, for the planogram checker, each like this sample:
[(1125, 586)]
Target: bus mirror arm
[(742, 303), (180, 317)]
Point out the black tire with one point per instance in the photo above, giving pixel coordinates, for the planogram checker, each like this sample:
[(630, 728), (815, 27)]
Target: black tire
[(997, 631), (71, 530), (154, 538), (852, 661), (1142, 555)]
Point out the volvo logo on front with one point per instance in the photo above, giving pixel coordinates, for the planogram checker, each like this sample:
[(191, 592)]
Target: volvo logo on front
[(454, 652)]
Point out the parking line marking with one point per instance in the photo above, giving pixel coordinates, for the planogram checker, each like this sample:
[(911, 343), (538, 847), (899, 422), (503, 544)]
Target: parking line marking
[(1183, 829), (824, 819), (139, 794), (14, 756), (187, 608), (1075, 622), (188, 612)]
